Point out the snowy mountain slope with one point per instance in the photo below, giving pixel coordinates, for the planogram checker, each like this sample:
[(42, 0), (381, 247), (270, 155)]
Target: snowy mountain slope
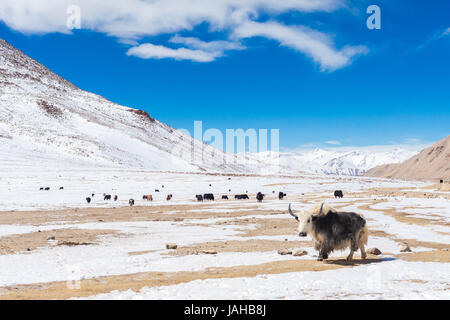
[(432, 163), (46, 119), (351, 163)]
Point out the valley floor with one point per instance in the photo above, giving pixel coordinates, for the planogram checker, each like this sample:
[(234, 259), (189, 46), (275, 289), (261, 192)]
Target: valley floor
[(53, 245)]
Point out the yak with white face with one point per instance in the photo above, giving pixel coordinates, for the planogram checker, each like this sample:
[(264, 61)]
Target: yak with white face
[(332, 230)]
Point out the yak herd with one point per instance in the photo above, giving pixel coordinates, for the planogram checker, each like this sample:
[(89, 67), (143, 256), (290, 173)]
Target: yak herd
[(330, 230), (199, 197)]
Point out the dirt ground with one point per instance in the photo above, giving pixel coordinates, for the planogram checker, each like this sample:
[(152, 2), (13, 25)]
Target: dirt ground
[(271, 225)]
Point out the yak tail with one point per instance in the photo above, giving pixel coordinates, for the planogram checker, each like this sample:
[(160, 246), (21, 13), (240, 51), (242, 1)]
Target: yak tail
[(364, 235)]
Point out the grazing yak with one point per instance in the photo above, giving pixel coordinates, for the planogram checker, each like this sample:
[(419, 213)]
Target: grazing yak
[(116, 198), (332, 230), (107, 197), (199, 197), (338, 194), (224, 197), (208, 196), (147, 197), (260, 197), (131, 202), (88, 200), (169, 197), (281, 195), (47, 189), (241, 197)]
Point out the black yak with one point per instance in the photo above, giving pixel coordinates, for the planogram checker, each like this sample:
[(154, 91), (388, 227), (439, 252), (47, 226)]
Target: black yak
[(260, 197), (208, 196), (332, 230), (338, 194)]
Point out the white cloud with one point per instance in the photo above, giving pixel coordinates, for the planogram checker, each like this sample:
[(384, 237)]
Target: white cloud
[(212, 46), (333, 142), (436, 36), (150, 51), (132, 20), (313, 43)]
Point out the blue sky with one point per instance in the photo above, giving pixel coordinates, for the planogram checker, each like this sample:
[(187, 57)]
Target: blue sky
[(361, 87)]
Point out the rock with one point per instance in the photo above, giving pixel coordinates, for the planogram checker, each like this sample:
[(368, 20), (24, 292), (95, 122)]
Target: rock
[(171, 246), (51, 238), (374, 251), (209, 252), (406, 248), (299, 253), (284, 252)]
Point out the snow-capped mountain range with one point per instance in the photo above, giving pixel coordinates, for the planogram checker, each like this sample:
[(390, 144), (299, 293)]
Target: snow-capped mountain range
[(336, 162), (47, 122)]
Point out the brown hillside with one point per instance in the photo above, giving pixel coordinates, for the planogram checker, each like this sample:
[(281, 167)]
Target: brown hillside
[(432, 163)]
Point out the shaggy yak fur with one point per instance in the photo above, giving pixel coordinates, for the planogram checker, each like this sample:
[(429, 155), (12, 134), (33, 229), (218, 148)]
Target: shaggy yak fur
[(332, 230)]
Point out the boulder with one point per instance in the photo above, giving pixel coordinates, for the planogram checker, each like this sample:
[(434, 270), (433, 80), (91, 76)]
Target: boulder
[(374, 251), (209, 252), (284, 252), (299, 253), (171, 246), (406, 248)]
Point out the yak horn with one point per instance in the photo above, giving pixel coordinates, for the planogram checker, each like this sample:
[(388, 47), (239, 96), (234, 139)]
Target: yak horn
[(291, 213), (321, 208)]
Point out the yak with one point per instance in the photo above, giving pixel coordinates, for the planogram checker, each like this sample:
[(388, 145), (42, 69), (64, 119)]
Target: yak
[(147, 197), (107, 197), (332, 230), (208, 196), (224, 197), (116, 198), (88, 200), (169, 197), (241, 197), (199, 197), (131, 202), (338, 194), (281, 195), (260, 197)]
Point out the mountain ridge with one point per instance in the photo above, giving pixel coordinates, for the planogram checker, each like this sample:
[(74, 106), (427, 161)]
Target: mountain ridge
[(432, 163), (40, 110)]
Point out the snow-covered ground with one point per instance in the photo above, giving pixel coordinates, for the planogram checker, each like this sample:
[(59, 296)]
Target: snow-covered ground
[(20, 186), (390, 279)]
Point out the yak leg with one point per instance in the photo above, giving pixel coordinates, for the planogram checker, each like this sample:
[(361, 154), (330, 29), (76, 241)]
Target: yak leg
[(323, 253), (363, 252), (350, 256), (353, 248)]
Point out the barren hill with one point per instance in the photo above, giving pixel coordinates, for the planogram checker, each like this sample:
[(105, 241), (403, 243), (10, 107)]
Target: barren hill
[(46, 121), (432, 163)]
